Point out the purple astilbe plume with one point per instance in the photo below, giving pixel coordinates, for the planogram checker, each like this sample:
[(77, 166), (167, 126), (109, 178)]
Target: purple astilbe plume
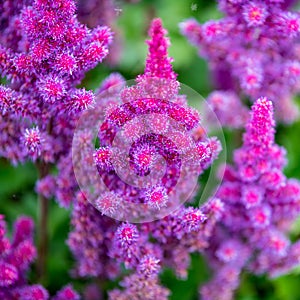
[(156, 94), (102, 245), (260, 205), (16, 256), (90, 240), (45, 55), (255, 47)]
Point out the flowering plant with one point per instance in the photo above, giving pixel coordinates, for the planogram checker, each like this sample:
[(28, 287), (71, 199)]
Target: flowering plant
[(122, 172)]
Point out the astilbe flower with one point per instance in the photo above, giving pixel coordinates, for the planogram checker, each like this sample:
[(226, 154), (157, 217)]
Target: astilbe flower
[(102, 245), (253, 50), (16, 255), (156, 93), (44, 54), (260, 205)]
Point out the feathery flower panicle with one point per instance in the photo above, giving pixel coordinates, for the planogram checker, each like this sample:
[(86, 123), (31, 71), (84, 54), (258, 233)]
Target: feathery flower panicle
[(155, 94), (158, 63), (45, 53), (102, 245), (90, 240), (257, 199), (255, 47), (15, 259)]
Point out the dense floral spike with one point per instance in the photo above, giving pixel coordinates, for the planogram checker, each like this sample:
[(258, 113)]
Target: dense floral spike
[(158, 63), (255, 47), (102, 245), (90, 239), (45, 53), (15, 259), (155, 94), (257, 199)]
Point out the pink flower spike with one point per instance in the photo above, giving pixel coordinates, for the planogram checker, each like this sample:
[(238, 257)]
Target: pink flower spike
[(158, 63)]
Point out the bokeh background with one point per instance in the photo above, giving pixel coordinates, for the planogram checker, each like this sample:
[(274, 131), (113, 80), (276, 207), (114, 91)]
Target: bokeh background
[(17, 183)]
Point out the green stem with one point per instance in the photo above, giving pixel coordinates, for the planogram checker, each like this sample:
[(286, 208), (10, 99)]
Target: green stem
[(42, 230)]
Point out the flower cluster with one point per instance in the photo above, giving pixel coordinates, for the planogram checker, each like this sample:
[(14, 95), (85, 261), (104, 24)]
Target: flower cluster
[(16, 256), (100, 244), (44, 54), (15, 259), (152, 120), (253, 50), (260, 204)]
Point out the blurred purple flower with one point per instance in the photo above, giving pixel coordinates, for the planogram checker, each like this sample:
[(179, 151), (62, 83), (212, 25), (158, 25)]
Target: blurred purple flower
[(252, 50)]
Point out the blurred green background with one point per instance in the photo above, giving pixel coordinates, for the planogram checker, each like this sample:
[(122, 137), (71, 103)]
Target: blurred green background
[(17, 183)]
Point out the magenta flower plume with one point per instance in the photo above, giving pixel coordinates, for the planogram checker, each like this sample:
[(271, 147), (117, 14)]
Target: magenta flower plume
[(15, 259), (158, 63), (258, 199), (45, 52), (255, 47), (156, 94), (102, 245)]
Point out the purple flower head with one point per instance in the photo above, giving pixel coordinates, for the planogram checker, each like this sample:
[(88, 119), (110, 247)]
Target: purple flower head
[(254, 190), (45, 53), (127, 234), (157, 197), (34, 292), (255, 13), (252, 45), (192, 219), (33, 140), (149, 266)]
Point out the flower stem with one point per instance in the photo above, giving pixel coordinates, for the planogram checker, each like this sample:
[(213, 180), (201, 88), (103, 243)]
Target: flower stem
[(42, 228)]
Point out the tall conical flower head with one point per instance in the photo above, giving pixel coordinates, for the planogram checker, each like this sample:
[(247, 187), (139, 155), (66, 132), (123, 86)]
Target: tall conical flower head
[(149, 135), (159, 79), (158, 63), (259, 205), (253, 50), (260, 128)]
